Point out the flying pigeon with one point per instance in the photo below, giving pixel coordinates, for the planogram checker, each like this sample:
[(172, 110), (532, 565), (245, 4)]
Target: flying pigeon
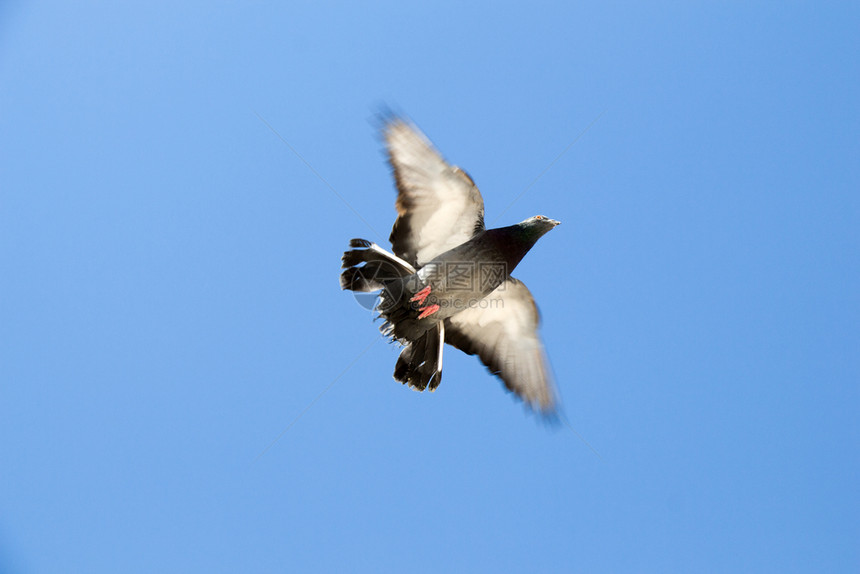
[(448, 279)]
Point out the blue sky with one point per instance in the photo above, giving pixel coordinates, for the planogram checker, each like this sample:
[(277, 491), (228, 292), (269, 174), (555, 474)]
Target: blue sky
[(169, 301)]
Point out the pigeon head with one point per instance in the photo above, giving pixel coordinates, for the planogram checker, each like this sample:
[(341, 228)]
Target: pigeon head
[(536, 227), (517, 240)]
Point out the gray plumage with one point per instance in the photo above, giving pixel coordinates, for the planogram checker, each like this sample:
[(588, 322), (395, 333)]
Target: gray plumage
[(448, 279)]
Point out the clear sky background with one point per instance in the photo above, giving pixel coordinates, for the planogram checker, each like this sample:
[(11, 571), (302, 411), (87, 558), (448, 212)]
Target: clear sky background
[(169, 298)]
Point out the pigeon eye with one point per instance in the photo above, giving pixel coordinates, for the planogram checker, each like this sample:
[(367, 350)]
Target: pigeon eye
[(539, 217)]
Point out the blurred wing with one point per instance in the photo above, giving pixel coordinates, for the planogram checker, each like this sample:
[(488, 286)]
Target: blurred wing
[(502, 331), (439, 207)]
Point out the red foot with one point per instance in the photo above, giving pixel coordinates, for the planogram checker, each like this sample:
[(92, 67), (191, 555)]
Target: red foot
[(427, 311), (421, 295)]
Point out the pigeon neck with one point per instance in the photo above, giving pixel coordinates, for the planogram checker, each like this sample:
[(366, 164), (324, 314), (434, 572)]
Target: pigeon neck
[(513, 243)]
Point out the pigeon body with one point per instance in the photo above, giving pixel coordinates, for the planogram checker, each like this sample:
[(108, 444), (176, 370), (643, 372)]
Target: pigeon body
[(449, 278)]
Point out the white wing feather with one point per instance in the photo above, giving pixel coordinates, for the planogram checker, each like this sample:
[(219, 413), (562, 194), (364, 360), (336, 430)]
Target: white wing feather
[(502, 330), (439, 207)]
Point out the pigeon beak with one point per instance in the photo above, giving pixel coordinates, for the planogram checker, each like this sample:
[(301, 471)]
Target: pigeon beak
[(555, 222)]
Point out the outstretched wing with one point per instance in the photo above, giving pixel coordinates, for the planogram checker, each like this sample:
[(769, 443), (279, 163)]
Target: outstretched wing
[(502, 331), (439, 207)]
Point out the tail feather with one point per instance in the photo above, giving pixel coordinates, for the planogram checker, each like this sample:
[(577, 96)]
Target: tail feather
[(367, 267), (420, 363)]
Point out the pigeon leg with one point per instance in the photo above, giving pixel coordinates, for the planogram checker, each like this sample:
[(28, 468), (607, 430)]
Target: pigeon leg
[(428, 310), (421, 295)]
